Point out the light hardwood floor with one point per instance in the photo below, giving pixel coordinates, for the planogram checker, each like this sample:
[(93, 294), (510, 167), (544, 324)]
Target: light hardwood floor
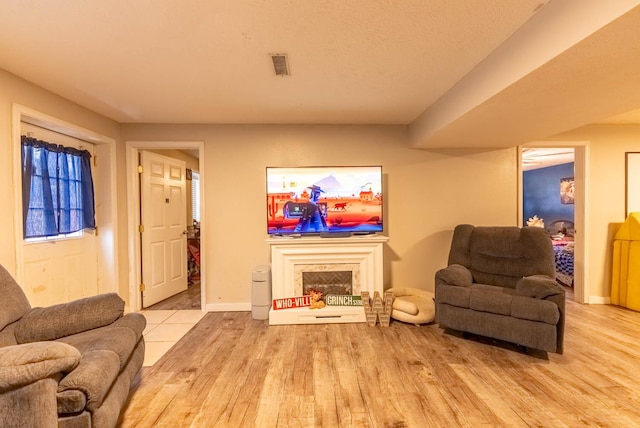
[(233, 371), (185, 300)]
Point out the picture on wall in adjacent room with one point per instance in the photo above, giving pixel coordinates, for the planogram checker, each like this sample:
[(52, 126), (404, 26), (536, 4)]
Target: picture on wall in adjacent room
[(567, 194)]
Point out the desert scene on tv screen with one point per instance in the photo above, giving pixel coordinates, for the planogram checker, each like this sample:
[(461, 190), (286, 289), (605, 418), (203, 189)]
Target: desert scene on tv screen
[(350, 199)]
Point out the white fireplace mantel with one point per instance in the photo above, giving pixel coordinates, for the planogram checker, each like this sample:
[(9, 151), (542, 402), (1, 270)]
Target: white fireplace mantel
[(287, 254)]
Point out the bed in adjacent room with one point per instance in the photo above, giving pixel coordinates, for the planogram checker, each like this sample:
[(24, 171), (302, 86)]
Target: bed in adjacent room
[(561, 234)]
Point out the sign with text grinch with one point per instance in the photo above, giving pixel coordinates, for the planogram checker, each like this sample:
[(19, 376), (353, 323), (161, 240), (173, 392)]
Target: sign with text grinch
[(342, 300)]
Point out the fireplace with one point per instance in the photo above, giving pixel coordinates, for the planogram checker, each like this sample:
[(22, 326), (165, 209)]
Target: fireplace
[(332, 266)]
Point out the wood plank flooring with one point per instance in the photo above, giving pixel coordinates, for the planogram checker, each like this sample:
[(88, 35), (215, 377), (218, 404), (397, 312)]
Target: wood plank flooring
[(186, 300), (233, 371)]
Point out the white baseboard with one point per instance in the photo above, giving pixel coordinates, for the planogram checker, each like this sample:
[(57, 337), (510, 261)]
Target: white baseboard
[(228, 307), (599, 300)]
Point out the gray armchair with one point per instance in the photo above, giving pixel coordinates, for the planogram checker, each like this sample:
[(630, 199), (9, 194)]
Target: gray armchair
[(67, 365), (500, 283)]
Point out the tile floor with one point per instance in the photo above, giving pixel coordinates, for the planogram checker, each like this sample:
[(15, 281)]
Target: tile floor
[(164, 329)]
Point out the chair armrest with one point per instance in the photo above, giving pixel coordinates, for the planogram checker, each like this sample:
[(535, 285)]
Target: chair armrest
[(546, 288), (538, 287), (25, 364), (66, 319), (454, 275)]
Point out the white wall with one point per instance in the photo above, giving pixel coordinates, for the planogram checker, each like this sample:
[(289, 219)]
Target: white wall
[(426, 193)]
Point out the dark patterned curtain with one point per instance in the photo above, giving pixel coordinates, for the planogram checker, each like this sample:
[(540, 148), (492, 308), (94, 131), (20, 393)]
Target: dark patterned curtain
[(57, 189)]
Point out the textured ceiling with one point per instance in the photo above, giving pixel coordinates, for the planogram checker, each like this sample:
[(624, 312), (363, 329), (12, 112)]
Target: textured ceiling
[(542, 157), (593, 79), (351, 62)]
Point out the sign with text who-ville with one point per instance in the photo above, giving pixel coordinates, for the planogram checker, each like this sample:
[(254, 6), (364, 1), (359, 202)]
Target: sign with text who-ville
[(292, 302)]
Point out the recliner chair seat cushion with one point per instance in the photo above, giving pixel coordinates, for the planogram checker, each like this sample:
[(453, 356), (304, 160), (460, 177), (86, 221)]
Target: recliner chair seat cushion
[(496, 303), (119, 340), (499, 300)]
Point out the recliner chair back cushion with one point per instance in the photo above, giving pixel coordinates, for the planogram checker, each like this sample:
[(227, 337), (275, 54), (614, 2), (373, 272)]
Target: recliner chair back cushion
[(502, 255), (14, 302), (66, 319)]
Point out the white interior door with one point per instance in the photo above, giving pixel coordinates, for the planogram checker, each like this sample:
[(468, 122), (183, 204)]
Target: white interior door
[(163, 236)]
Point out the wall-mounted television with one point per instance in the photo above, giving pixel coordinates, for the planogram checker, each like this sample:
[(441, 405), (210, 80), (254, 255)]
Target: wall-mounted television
[(324, 200)]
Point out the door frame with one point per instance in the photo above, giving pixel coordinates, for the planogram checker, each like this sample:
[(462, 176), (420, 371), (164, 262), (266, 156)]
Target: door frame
[(133, 213), (581, 284)]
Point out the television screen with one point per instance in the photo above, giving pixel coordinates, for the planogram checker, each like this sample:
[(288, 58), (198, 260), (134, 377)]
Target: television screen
[(317, 200)]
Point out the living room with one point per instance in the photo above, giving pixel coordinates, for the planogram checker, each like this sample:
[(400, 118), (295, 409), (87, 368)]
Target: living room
[(467, 173)]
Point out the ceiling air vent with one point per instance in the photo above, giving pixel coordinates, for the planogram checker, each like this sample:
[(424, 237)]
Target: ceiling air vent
[(280, 65)]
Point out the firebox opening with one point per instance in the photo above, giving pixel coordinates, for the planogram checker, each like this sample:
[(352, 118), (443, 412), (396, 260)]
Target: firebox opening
[(331, 282)]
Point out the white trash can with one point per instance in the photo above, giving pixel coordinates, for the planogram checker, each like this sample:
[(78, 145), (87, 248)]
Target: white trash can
[(261, 292)]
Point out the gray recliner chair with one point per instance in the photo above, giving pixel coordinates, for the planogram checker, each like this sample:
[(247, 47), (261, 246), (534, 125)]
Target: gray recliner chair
[(500, 283), (66, 365)]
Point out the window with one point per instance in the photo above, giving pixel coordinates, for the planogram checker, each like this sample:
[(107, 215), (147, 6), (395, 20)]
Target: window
[(195, 196), (57, 189)]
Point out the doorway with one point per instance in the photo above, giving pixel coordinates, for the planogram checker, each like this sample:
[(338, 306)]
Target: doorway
[(567, 184), (134, 210)]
